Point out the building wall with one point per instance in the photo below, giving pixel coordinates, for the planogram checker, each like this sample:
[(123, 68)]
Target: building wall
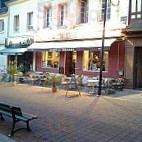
[(116, 62), (92, 29), (73, 30), (131, 44), (21, 8), (3, 35)]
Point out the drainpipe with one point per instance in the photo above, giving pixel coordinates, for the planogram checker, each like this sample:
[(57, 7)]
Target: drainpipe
[(8, 31), (34, 58)]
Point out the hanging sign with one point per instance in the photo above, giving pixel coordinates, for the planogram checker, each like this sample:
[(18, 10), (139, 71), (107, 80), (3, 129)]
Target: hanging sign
[(18, 42)]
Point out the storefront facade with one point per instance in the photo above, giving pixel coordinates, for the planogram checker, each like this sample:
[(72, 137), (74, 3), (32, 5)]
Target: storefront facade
[(56, 45), (85, 62), (16, 52), (19, 33)]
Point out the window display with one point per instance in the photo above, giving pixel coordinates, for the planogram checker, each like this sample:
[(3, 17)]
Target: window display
[(50, 59), (91, 60)]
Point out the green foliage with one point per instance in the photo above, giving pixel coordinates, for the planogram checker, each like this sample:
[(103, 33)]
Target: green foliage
[(21, 68), (12, 69), (52, 79)]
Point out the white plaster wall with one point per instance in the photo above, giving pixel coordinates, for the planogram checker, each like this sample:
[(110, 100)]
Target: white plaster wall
[(22, 9), (3, 35), (92, 29)]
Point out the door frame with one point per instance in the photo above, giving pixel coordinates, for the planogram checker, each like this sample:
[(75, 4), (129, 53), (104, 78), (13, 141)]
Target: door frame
[(135, 67)]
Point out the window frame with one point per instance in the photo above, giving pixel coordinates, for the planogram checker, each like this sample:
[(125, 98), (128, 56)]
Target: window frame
[(108, 14), (63, 15), (136, 10), (49, 21), (1, 25), (30, 15), (16, 23), (0, 4), (84, 12)]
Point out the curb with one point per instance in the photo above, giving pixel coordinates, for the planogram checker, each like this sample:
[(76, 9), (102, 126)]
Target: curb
[(5, 139)]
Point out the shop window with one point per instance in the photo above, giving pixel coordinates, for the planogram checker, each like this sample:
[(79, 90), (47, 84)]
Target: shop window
[(108, 14), (1, 25), (50, 59), (16, 23), (91, 60), (30, 20), (83, 11)]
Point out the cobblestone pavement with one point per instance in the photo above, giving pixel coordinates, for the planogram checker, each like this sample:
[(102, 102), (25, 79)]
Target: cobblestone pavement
[(112, 118)]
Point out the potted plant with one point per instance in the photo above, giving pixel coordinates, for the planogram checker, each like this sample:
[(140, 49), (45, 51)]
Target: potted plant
[(12, 70), (52, 79), (21, 67)]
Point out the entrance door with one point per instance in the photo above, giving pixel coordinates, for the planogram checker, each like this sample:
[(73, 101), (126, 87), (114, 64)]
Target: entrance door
[(71, 58), (138, 67)]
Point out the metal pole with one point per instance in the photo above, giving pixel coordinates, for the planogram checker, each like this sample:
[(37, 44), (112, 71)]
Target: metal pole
[(102, 50)]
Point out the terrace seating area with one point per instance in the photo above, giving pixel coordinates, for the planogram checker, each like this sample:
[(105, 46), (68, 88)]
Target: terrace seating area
[(79, 83), (109, 85)]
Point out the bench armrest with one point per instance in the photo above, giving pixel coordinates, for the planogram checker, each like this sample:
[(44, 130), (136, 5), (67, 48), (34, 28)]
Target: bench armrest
[(29, 115)]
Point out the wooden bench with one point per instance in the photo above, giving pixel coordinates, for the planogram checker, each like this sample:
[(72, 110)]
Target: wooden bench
[(17, 115)]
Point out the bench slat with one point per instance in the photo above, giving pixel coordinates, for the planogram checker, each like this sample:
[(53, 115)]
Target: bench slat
[(6, 113)]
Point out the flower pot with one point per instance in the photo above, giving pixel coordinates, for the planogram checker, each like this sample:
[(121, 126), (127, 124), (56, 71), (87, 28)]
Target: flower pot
[(14, 83), (54, 89)]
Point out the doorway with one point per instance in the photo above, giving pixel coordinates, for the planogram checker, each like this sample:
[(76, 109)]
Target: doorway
[(71, 59), (24, 62), (138, 67)]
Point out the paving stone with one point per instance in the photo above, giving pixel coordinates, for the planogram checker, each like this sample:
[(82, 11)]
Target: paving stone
[(114, 118)]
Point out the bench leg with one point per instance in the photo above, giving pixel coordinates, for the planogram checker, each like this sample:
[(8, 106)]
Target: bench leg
[(12, 131), (28, 127), (2, 118)]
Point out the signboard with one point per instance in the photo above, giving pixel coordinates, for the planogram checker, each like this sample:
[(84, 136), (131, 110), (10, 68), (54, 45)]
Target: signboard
[(77, 49), (18, 42)]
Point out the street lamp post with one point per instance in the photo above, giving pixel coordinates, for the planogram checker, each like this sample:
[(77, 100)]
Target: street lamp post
[(102, 50), (114, 3)]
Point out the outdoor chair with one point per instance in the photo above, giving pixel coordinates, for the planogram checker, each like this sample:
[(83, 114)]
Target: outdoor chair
[(118, 84), (64, 82), (79, 81), (20, 77), (92, 85), (74, 84), (32, 78)]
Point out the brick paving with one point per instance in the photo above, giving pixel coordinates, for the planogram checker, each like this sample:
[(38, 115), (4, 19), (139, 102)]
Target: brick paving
[(113, 118)]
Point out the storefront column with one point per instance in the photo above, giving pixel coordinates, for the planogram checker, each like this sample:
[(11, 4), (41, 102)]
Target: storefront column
[(34, 58), (129, 66)]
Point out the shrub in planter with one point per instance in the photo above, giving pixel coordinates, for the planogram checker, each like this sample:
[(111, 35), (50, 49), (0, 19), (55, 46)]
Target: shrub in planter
[(53, 80), (12, 70)]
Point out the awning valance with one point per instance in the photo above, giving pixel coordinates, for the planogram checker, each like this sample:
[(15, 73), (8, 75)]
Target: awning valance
[(71, 45), (13, 51)]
